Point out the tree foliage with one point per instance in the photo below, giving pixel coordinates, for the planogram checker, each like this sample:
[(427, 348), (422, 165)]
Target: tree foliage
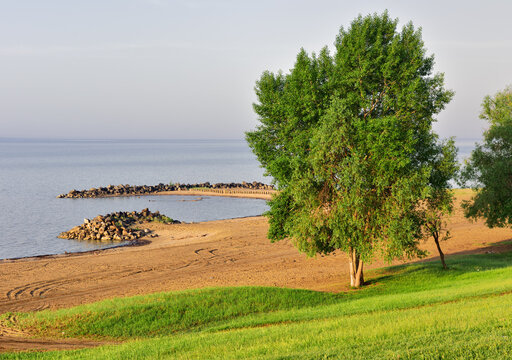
[(489, 168), (348, 140)]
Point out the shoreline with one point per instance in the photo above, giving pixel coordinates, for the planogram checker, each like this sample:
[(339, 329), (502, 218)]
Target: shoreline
[(255, 194), (138, 242), (247, 194), (120, 190)]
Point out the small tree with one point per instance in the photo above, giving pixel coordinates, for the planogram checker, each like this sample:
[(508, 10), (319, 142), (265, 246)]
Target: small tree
[(349, 142), (435, 225), (439, 204), (489, 168)]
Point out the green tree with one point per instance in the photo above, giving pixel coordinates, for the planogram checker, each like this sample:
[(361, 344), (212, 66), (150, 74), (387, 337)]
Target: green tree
[(489, 169), (439, 204), (348, 141)]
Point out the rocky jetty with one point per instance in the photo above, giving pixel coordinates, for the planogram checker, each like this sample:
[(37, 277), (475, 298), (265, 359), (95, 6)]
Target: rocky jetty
[(130, 190), (116, 227)]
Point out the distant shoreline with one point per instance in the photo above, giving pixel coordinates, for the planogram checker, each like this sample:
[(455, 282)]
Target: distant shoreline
[(254, 187), (248, 194)]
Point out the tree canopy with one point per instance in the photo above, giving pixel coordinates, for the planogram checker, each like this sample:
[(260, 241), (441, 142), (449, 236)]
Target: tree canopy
[(489, 168), (348, 140)]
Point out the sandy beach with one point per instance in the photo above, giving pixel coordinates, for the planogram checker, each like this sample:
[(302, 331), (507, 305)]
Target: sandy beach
[(232, 252)]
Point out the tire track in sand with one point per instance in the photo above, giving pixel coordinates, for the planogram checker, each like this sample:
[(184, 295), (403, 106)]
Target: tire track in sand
[(39, 289)]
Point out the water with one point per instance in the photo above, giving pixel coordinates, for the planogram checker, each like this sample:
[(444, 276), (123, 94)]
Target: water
[(465, 146), (33, 173)]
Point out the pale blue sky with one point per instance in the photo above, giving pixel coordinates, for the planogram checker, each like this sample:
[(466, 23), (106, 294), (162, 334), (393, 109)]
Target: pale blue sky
[(187, 68)]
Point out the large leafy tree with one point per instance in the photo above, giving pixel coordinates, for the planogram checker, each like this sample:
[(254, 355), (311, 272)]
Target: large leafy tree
[(348, 140), (490, 166)]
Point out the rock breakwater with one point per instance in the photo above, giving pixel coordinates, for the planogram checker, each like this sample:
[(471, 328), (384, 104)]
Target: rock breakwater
[(133, 190), (116, 227)]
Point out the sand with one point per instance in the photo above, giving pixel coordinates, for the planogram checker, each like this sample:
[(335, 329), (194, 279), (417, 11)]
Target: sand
[(232, 252)]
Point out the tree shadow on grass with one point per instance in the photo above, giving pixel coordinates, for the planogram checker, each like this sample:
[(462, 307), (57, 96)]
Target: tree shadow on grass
[(495, 255)]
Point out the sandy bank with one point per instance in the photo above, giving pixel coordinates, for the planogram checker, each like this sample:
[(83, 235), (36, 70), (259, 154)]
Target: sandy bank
[(250, 194)]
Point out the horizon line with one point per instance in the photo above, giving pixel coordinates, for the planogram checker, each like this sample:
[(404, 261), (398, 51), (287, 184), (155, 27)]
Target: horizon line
[(5, 138)]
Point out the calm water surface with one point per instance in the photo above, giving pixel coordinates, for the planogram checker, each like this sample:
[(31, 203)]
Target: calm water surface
[(33, 173)]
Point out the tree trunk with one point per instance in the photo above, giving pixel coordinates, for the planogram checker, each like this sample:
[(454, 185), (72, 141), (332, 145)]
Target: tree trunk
[(356, 269), (441, 254)]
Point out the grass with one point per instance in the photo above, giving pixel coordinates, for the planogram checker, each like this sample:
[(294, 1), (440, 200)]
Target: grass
[(165, 313), (408, 312), (163, 219)]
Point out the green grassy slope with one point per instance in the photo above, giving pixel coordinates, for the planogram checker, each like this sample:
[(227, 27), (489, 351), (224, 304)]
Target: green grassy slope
[(416, 311), (166, 313)]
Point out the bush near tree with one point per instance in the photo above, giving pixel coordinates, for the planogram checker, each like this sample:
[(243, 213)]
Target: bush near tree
[(348, 140)]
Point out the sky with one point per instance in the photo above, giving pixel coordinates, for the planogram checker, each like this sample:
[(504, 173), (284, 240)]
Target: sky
[(186, 69)]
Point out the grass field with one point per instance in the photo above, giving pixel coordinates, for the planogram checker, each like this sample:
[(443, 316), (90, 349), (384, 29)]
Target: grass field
[(406, 312)]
